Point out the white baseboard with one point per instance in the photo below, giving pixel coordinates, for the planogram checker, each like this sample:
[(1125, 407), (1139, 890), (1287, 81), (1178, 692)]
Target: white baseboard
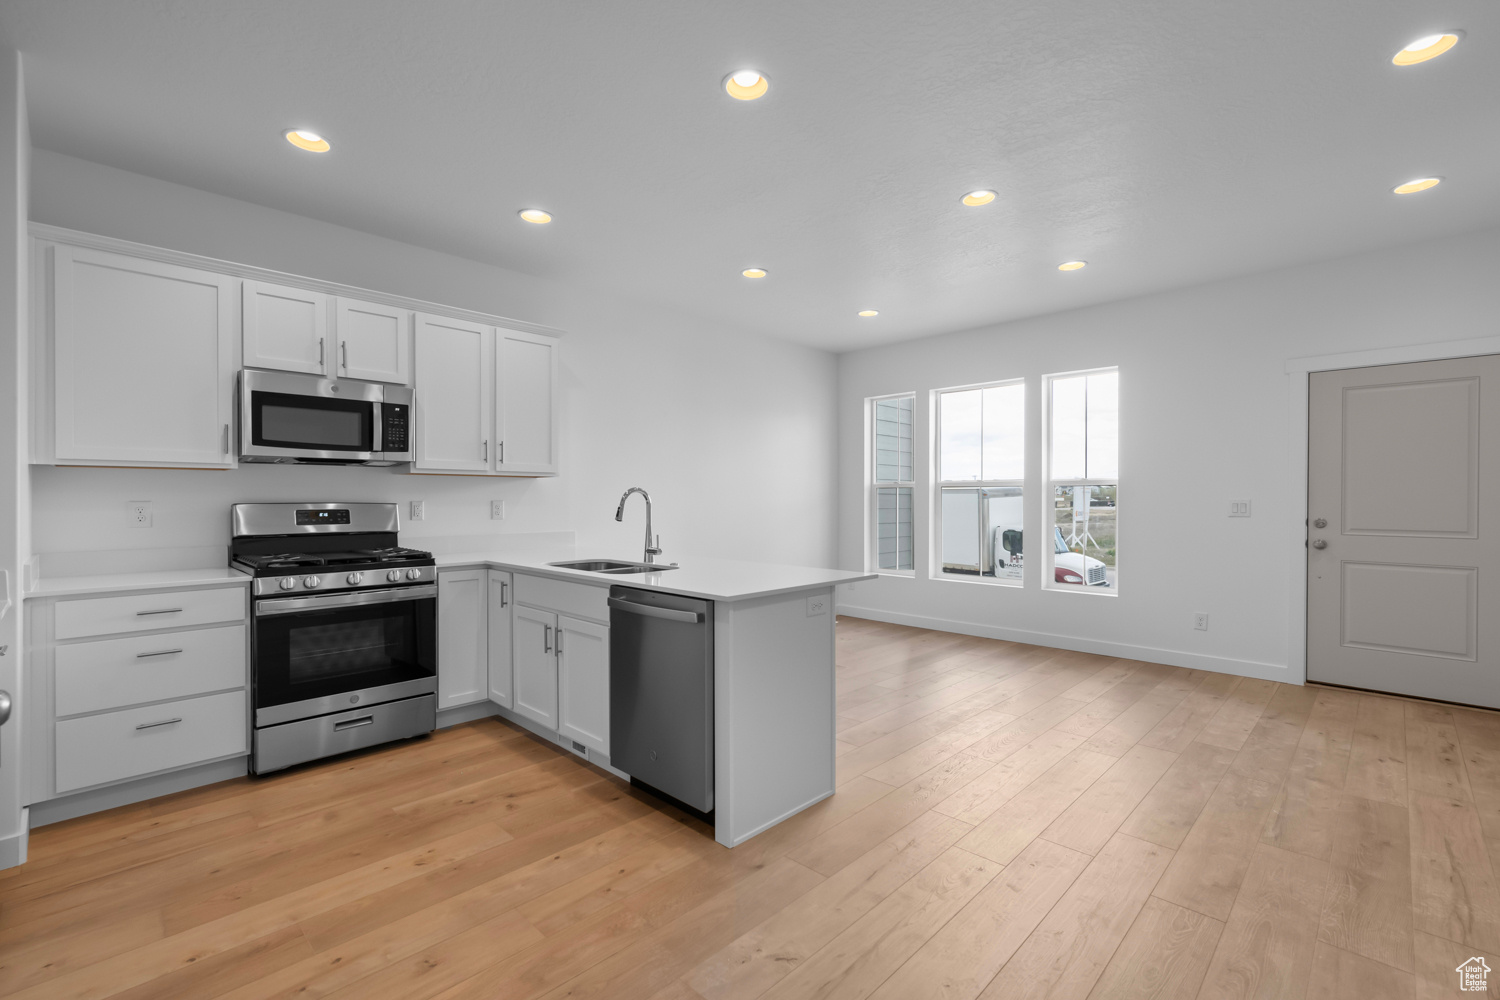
[(466, 713), (13, 848), (1171, 657)]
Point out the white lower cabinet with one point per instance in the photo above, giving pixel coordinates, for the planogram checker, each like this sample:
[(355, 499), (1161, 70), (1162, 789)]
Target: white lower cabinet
[(501, 627), (96, 749), (583, 682), (535, 665), (463, 637)]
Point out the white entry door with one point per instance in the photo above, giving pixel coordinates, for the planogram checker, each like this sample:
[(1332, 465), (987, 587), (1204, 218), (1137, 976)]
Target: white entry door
[(1403, 559)]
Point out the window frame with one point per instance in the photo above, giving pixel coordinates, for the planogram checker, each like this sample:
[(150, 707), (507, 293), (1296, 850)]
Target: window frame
[(1050, 486), (873, 486), (935, 499)]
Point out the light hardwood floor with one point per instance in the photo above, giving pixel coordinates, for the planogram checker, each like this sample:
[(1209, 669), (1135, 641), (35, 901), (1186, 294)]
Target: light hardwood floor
[(1012, 821)]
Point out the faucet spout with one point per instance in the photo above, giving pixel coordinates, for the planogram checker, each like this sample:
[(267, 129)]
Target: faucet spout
[(652, 549)]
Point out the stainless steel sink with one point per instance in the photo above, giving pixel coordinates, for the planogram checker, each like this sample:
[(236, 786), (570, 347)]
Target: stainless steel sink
[(615, 566)]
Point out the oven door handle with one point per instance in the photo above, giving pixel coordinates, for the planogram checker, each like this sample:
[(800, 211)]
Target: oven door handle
[(317, 602)]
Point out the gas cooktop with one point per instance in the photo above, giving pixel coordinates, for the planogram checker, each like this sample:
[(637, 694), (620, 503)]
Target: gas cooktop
[(322, 547)]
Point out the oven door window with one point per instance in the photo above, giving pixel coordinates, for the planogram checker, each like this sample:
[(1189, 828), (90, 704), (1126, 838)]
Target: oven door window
[(283, 420), (316, 654)]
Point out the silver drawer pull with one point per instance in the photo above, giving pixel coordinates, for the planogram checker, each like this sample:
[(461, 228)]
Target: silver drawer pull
[(163, 611), (153, 725), (363, 720), (159, 652)]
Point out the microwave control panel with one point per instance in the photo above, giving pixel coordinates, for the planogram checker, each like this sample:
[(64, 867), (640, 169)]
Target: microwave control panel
[(395, 436)]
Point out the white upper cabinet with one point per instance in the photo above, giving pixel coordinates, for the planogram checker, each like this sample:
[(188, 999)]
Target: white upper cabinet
[(143, 361), (286, 329), (374, 342), (455, 395), (525, 403)]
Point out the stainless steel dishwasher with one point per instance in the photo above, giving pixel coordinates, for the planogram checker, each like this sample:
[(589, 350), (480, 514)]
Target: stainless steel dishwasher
[(661, 693)]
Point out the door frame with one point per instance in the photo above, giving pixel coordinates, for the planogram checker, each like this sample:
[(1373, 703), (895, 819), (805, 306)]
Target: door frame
[(1298, 372)]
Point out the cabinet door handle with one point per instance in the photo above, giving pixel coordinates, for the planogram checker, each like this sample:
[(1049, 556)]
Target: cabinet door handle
[(163, 611), (557, 645), (504, 600), (159, 652), (500, 459), (546, 638), (226, 439), (344, 354), (320, 352), (163, 722), (486, 449)]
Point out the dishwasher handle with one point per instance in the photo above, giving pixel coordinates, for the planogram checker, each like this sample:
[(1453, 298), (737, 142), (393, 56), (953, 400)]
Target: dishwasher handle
[(620, 604)]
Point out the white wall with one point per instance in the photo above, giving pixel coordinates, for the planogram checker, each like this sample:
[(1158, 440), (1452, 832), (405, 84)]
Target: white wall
[(1205, 418), (734, 435), (15, 153)]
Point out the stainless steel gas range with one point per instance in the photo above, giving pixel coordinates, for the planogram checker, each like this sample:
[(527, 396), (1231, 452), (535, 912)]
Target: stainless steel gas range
[(344, 629)]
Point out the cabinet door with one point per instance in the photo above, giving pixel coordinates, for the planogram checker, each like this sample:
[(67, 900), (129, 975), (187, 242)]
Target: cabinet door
[(374, 341), (535, 662), (525, 403), (285, 329), (145, 361), (500, 592), (583, 681), (455, 395), (463, 637)]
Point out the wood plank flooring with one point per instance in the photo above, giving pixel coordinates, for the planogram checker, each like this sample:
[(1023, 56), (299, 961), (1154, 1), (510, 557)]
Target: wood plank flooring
[(1012, 821)]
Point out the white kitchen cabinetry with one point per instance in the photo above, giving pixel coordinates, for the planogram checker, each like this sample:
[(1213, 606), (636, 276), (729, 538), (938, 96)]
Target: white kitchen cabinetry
[(463, 637), (535, 661), (455, 395), (143, 362), (373, 340), (501, 629), (525, 403), (583, 682), (285, 329), (486, 399)]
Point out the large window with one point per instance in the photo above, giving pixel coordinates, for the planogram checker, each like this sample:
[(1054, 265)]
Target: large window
[(981, 469), (1083, 470), (892, 483)]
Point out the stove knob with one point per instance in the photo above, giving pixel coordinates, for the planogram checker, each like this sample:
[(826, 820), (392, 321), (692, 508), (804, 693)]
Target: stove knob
[(414, 574), (354, 578), (288, 582), (311, 582), (393, 575)]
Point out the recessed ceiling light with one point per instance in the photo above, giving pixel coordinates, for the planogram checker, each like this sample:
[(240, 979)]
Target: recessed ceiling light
[(754, 272), (746, 85), (976, 198), (1420, 184), (310, 141), (1426, 48), (867, 313), (1072, 265), (535, 215)]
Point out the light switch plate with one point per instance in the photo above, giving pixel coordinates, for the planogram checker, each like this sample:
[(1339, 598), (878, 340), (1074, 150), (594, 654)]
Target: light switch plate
[(817, 605), (1239, 508)]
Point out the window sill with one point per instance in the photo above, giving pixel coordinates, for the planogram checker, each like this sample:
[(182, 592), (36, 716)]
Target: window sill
[(1073, 588), (898, 574), (941, 577)]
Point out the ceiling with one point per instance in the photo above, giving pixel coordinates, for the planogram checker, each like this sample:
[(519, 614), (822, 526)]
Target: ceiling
[(1166, 142)]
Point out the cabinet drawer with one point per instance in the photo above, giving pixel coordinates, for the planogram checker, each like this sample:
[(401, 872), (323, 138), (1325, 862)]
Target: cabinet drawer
[(139, 612), (114, 673), (578, 599), (127, 744)]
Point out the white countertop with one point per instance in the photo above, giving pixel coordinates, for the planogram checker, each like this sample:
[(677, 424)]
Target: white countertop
[(67, 586), (711, 579)]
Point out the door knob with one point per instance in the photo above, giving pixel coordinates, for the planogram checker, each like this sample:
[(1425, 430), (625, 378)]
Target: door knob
[(1321, 522), (1318, 543)]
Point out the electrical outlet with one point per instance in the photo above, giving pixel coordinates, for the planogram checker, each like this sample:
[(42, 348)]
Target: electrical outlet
[(497, 510), (1200, 621), (418, 510), (139, 513), (1239, 508), (817, 605)]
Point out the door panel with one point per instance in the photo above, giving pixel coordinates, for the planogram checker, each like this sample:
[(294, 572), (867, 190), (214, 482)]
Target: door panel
[(463, 651), (374, 341), (285, 328), (525, 377), (1402, 463), (583, 682), (455, 400), (500, 669), (535, 665)]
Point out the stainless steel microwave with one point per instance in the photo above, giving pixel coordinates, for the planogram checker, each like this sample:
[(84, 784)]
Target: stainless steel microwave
[(306, 420)]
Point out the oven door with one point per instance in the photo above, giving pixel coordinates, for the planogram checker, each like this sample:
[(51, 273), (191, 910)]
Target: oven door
[(333, 652), (301, 418)]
